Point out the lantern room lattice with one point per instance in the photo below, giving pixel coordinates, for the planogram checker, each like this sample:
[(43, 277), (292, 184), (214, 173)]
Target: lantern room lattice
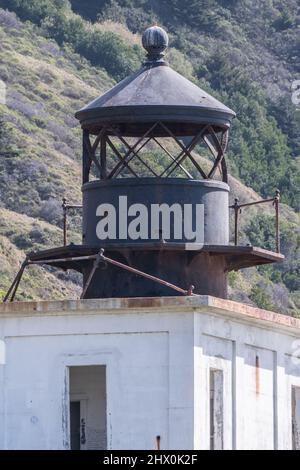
[(114, 155)]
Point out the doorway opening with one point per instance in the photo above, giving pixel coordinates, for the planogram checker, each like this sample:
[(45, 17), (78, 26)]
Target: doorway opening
[(88, 429)]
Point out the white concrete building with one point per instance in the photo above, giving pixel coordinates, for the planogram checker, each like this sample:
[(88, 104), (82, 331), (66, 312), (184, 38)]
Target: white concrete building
[(199, 372)]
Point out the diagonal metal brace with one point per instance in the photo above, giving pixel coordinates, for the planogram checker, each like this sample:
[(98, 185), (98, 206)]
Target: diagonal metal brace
[(190, 290), (15, 284), (101, 258), (97, 261)]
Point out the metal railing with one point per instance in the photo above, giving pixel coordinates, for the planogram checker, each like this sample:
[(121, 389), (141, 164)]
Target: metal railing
[(236, 207), (100, 258), (238, 210), (66, 207)]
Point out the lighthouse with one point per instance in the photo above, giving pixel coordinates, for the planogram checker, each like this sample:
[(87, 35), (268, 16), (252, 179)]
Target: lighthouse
[(150, 203), (153, 355)]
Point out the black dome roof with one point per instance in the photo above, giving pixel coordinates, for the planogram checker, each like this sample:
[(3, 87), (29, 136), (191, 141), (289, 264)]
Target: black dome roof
[(155, 93)]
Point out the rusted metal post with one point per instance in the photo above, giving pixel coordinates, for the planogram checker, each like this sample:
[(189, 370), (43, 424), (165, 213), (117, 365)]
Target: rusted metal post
[(191, 290), (236, 219), (277, 231), (86, 160), (64, 206), (14, 286), (97, 261), (62, 260), (18, 280), (237, 210)]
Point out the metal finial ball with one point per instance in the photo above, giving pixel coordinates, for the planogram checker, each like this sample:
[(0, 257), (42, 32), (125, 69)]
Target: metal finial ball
[(155, 40)]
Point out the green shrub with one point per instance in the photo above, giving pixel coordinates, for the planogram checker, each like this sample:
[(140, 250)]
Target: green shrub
[(284, 21), (34, 10), (108, 50), (259, 296)]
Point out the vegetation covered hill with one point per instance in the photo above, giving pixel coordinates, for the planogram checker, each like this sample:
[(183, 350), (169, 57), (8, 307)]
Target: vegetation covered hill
[(57, 56)]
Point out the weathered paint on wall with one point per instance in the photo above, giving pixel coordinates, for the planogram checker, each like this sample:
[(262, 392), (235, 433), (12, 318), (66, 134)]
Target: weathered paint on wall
[(158, 354)]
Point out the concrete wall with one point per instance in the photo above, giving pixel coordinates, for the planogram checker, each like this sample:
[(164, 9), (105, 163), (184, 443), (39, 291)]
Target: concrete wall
[(158, 355)]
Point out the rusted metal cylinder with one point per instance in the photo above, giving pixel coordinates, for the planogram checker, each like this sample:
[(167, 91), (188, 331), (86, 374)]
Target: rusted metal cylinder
[(182, 263), (207, 273), (199, 207)]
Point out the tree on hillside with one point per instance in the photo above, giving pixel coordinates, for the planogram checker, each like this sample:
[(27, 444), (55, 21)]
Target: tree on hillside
[(6, 146), (34, 10)]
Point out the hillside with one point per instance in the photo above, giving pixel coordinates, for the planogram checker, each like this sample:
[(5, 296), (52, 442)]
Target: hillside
[(45, 87), (47, 82)]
